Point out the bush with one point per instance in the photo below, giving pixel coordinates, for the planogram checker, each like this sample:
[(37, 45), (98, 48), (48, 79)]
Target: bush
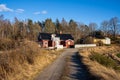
[(107, 44), (88, 40), (99, 43), (11, 60), (104, 60), (118, 55), (115, 40), (6, 44), (25, 61)]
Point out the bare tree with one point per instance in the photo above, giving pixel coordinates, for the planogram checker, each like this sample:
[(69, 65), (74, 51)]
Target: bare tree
[(93, 27), (84, 30), (114, 25), (5, 27), (105, 27)]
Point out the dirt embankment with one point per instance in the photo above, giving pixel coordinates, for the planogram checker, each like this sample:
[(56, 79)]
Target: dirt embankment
[(98, 69)]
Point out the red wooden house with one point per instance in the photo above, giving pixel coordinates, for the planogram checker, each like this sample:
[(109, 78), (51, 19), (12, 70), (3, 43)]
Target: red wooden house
[(46, 40)]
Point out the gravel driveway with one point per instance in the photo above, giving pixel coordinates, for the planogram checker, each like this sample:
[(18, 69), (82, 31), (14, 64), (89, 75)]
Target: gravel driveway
[(77, 70)]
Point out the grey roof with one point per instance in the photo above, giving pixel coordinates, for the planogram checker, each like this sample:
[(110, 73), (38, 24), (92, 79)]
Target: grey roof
[(47, 36)]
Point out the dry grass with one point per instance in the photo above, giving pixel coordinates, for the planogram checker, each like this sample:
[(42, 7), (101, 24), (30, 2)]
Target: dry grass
[(7, 44), (96, 69), (24, 63)]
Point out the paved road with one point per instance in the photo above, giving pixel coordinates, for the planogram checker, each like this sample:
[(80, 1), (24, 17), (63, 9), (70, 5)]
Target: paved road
[(77, 70), (55, 70)]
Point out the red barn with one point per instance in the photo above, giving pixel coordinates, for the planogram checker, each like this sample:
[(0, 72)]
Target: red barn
[(46, 40)]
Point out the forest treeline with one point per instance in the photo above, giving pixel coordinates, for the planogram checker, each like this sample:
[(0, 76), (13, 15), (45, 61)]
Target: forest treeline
[(28, 29)]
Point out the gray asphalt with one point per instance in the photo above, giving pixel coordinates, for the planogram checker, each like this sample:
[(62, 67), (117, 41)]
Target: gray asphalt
[(55, 70)]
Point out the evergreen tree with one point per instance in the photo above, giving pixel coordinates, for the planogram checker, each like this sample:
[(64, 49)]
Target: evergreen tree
[(49, 26), (58, 26), (73, 29)]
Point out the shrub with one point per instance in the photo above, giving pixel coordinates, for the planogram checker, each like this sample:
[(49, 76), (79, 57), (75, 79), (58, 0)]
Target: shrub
[(104, 60), (115, 40), (118, 55), (107, 44), (89, 40), (10, 60), (7, 44), (99, 43)]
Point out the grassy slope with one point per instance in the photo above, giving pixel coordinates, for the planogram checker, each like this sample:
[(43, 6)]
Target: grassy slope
[(104, 73), (24, 63)]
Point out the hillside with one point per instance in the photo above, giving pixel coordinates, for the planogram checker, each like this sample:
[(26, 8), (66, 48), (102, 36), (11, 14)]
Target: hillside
[(102, 61), (24, 62)]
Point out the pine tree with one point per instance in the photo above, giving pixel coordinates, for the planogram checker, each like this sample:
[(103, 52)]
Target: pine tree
[(49, 26)]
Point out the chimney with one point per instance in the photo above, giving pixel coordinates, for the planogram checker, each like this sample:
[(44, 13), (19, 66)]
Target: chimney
[(53, 36)]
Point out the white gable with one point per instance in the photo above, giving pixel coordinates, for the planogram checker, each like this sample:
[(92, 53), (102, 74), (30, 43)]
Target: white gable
[(107, 40)]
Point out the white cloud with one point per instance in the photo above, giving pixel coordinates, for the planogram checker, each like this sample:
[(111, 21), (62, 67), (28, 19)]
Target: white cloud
[(20, 10), (4, 8), (42, 12)]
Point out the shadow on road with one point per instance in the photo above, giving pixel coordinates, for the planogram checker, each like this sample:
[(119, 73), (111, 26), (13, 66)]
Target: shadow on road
[(80, 71)]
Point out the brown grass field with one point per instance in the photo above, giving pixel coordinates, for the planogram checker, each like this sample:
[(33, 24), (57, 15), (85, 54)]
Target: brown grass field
[(25, 62), (97, 69)]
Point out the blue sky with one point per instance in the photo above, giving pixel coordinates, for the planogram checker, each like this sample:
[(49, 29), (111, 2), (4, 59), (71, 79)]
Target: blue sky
[(85, 11)]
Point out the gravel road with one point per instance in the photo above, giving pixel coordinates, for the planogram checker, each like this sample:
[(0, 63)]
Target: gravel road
[(76, 69), (54, 71)]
